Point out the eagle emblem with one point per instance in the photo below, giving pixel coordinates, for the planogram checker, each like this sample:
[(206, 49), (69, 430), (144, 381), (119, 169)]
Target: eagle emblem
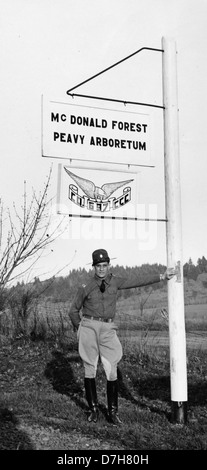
[(95, 192)]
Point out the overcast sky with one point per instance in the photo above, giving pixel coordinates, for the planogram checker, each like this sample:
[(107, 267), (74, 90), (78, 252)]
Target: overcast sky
[(49, 46)]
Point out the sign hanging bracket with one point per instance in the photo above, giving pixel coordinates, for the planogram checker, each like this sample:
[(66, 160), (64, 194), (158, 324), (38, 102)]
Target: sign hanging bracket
[(125, 102), (115, 100)]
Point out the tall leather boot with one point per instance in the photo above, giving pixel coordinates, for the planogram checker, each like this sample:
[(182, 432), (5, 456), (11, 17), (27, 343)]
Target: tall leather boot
[(112, 397), (91, 397)]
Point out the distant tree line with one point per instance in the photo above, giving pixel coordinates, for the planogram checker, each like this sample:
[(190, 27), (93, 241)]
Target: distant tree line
[(192, 271), (63, 288)]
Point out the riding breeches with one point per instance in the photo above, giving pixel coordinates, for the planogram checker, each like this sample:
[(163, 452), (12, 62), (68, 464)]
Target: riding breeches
[(98, 339)]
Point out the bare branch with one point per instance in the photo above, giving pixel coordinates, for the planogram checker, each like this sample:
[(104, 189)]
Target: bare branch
[(29, 233)]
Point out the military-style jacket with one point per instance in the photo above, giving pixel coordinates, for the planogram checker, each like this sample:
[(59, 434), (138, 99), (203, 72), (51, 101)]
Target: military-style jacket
[(93, 302)]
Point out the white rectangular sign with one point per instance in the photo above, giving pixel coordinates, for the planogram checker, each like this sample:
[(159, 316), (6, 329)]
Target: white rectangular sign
[(92, 192), (80, 132)]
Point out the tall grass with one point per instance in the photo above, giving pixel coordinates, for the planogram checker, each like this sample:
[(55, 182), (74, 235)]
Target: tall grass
[(148, 327)]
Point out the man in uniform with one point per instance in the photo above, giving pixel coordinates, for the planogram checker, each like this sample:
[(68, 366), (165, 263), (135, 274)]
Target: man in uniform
[(96, 330)]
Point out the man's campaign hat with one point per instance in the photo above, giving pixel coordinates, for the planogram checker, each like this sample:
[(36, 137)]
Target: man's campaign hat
[(100, 256)]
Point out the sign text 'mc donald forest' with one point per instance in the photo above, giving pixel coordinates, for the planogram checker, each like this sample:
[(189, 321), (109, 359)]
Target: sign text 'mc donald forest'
[(95, 134)]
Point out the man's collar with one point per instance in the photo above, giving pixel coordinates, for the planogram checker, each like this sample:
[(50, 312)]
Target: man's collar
[(107, 279)]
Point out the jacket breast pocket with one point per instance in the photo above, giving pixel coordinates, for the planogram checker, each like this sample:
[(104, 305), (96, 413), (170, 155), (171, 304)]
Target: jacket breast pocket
[(94, 295), (112, 290)]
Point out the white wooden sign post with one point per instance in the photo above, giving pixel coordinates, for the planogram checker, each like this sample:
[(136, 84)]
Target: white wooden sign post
[(178, 368)]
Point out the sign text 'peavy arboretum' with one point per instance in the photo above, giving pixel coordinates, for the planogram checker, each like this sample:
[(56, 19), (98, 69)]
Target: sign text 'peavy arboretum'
[(95, 134)]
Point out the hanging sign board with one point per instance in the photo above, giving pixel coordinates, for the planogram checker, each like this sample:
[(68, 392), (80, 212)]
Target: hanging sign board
[(80, 132), (91, 192)]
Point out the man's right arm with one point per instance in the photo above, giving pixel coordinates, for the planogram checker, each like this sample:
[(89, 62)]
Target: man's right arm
[(76, 307)]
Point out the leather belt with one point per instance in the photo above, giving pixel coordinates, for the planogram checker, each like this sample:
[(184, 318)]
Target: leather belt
[(106, 320)]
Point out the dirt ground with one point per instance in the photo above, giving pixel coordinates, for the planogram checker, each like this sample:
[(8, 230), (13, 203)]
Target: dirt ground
[(43, 407)]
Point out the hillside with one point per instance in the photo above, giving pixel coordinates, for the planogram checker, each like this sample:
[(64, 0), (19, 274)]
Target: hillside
[(61, 289)]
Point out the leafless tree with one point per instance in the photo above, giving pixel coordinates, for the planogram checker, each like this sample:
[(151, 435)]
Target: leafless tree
[(28, 233)]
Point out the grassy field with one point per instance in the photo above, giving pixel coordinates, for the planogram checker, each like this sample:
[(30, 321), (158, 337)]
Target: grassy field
[(43, 406)]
